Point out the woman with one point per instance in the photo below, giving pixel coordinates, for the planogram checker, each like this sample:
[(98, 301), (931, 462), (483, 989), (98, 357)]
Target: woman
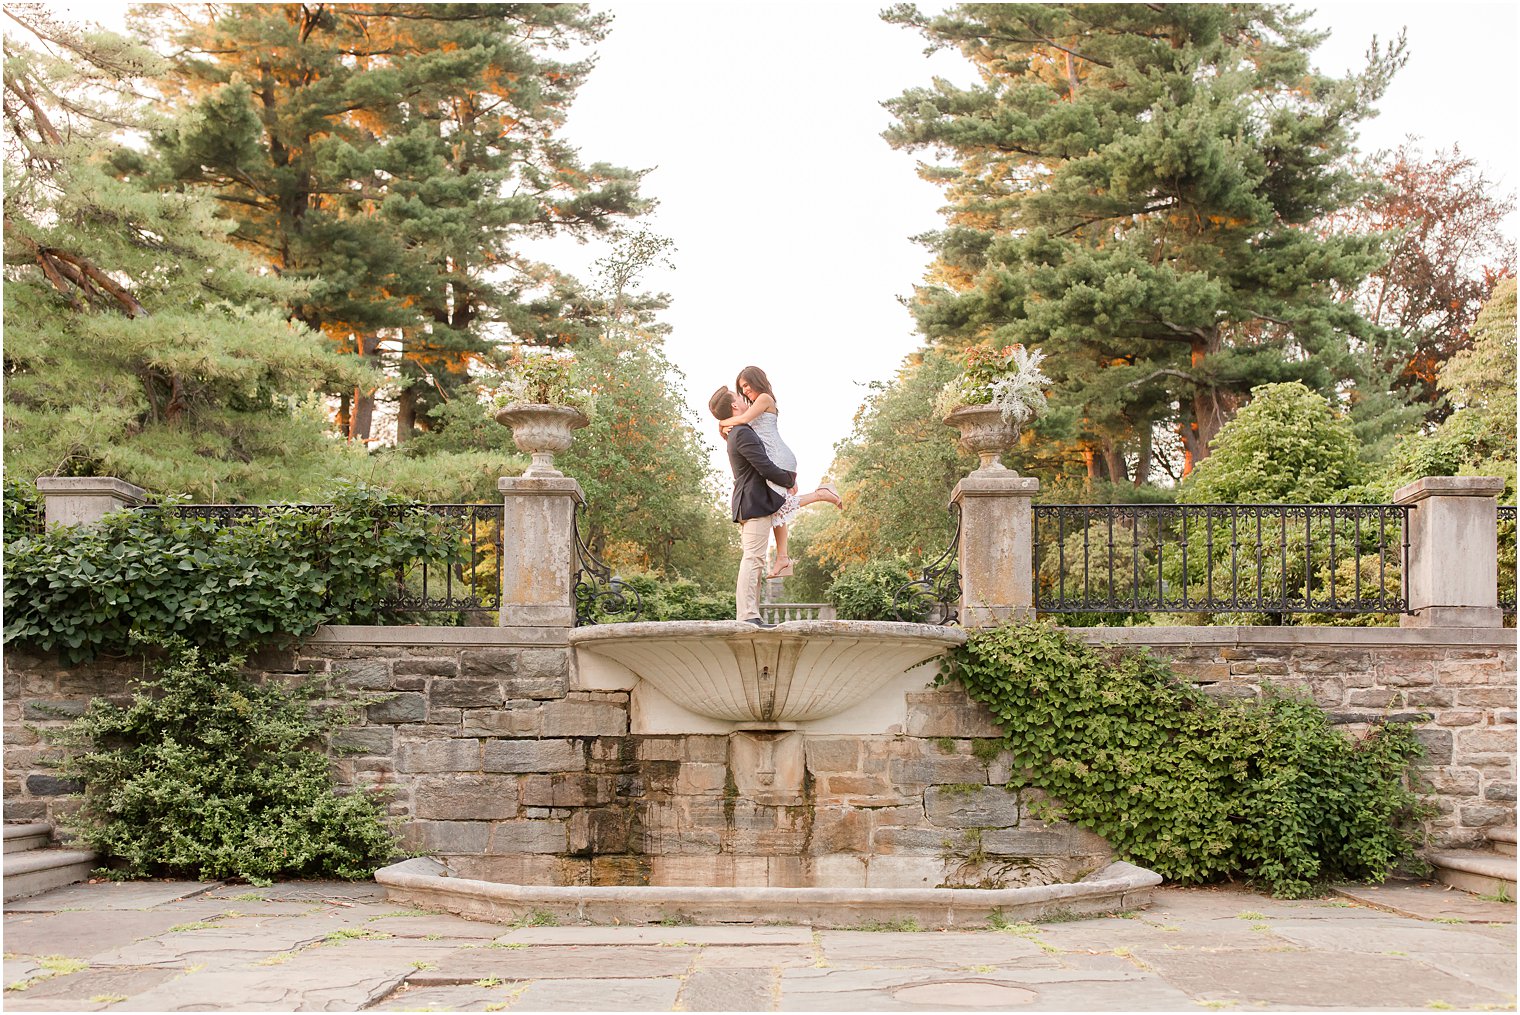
[(762, 417)]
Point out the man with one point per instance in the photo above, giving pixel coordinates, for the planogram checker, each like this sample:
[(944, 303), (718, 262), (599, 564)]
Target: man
[(753, 501)]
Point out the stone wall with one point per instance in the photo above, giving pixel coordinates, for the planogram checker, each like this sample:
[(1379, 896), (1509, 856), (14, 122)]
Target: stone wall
[(494, 761)]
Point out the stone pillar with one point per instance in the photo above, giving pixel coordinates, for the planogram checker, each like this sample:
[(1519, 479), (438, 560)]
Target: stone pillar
[(997, 546), (84, 500), (538, 560), (1453, 559)]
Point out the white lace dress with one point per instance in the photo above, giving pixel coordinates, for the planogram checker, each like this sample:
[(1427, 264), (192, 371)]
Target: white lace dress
[(766, 428)]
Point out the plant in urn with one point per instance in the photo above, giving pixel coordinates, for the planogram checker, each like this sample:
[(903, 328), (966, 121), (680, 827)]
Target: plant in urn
[(997, 393), (540, 398)]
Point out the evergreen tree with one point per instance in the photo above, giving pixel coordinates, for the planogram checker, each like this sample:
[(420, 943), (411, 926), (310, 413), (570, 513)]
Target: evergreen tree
[(392, 154), (139, 344), (1134, 189)]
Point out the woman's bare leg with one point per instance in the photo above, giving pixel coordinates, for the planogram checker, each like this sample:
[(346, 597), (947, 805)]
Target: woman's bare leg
[(783, 562)]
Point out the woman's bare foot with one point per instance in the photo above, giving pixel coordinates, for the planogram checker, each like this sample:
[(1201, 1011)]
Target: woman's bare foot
[(783, 568)]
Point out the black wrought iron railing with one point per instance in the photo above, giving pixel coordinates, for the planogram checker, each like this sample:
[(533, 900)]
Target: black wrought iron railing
[(1506, 555), (600, 596), (460, 573), (935, 597), (1221, 558)]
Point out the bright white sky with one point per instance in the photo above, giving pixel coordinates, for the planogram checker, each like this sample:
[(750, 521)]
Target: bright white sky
[(792, 219)]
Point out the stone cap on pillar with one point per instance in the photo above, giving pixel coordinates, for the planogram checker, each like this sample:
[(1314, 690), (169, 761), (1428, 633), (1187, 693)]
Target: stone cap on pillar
[(1448, 486), (995, 483), (546, 486), (92, 486)]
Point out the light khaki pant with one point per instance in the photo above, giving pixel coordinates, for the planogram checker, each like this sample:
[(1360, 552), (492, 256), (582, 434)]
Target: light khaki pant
[(754, 536)]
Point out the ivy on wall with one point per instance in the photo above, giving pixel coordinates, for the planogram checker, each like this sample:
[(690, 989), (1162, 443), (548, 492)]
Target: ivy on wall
[(1197, 789), (85, 590)]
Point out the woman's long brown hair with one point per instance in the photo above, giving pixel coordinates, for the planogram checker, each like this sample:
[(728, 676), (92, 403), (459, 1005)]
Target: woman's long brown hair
[(756, 379)]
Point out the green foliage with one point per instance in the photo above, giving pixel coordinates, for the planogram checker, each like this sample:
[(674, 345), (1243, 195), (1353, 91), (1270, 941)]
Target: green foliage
[(139, 342), (867, 591), (664, 598), (81, 590), (1137, 188), (1287, 446), (1196, 789), (23, 509), (896, 471), (208, 774), (541, 377), (654, 501)]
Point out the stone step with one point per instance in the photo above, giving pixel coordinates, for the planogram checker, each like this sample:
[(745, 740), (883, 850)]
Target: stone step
[(28, 835), (1502, 840), (41, 870), (1474, 870)]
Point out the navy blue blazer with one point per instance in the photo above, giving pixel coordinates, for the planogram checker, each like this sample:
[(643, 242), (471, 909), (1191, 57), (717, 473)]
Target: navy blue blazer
[(751, 466)]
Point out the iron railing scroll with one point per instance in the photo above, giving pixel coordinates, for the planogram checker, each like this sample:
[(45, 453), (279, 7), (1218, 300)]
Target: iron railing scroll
[(600, 595), (935, 597), (1273, 559)]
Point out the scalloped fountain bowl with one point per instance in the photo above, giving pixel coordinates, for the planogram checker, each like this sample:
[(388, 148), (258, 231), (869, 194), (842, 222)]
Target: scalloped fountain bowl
[(735, 675)]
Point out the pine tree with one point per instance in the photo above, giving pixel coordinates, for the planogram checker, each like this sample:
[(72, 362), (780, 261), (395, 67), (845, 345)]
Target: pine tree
[(392, 154), (1133, 189), (139, 344)]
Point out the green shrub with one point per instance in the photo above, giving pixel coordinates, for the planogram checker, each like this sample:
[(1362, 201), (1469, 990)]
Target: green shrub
[(662, 598), (1196, 789), (85, 590), (868, 591), (22, 504), (208, 774)]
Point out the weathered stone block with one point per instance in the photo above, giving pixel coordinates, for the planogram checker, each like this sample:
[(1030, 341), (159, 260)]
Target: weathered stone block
[(1350, 718), (402, 708), (541, 673), (949, 717), (49, 785), (412, 667), (54, 708), (1406, 675), (1485, 741), (463, 693), (365, 740), (599, 831), (1377, 697), (1231, 690), (701, 779), (450, 755), (1437, 745), (1450, 781), (971, 806), (890, 839), (534, 756), (1500, 792), (837, 871), (1055, 839), (937, 770), (658, 748), (904, 872), (1497, 697), (567, 790), (1202, 672), (1480, 816), (488, 664), (840, 830), (528, 837), (466, 797), (713, 749), (447, 836), (573, 717), (370, 675), (508, 722), (831, 754), (1457, 717)]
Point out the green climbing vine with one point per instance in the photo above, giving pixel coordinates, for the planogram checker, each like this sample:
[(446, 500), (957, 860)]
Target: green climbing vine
[(1197, 789)]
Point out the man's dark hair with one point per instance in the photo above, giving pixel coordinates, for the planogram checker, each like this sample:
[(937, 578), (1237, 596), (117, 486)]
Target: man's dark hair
[(721, 403)]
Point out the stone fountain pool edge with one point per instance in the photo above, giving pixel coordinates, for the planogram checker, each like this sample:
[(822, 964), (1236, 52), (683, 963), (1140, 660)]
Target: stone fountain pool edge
[(425, 883)]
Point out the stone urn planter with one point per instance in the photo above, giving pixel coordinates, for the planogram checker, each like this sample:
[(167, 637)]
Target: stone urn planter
[(541, 431), (986, 433)]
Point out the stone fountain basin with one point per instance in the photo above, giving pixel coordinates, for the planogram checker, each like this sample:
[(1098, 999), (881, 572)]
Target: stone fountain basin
[(736, 673)]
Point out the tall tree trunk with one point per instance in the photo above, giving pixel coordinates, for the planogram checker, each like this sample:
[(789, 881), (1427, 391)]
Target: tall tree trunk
[(1210, 404), (1113, 462), (362, 414), (406, 414), (1143, 460)]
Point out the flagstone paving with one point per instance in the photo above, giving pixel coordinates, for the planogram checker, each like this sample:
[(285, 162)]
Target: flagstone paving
[(333, 946)]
